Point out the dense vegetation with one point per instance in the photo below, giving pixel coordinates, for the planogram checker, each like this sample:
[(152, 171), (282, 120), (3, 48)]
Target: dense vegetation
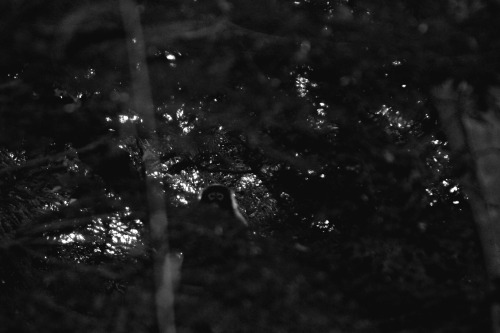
[(321, 115)]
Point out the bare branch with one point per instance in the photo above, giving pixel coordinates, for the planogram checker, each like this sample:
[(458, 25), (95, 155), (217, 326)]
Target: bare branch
[(37, 162), (60, 225), (227, 171)]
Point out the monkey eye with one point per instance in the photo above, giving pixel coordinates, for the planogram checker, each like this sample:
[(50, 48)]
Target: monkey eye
[(215, 196)]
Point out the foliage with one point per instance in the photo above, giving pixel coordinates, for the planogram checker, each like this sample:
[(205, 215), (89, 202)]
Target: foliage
[(317, 113)]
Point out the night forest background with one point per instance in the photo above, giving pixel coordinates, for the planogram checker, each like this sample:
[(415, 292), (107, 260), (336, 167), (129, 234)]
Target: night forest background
[(322, 116)]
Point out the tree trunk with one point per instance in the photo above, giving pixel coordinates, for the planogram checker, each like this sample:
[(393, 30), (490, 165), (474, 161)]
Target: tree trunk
[(474, 138), (164, 265)]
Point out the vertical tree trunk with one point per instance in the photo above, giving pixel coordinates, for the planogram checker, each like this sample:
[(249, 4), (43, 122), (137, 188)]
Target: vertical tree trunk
[(142, 103), (475, 138)]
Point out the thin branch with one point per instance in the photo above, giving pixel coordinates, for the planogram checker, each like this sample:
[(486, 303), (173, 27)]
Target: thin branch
[(226, 171), (37, 162), (189, 163), (256, 34), (57, 226), (197, 29)]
